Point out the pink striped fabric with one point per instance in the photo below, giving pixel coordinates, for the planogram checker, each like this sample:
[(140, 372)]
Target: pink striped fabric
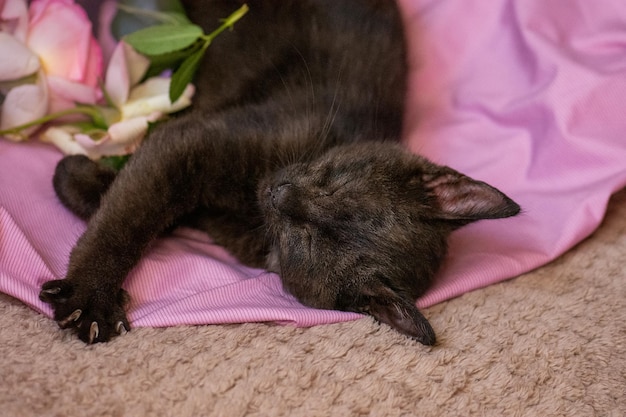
[(527, 95)]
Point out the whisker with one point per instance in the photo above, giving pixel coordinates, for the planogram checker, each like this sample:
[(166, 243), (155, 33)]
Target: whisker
[(309, 81), (335, 105)]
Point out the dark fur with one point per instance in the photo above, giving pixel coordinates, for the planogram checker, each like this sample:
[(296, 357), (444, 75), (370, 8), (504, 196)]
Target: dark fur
[(289, 159)]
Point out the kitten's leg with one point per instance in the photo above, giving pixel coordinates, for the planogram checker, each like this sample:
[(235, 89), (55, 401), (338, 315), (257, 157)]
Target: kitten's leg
[(150, 194), (80, 183)]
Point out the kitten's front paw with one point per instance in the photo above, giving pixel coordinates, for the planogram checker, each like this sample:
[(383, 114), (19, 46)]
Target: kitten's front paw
[(94, 315)]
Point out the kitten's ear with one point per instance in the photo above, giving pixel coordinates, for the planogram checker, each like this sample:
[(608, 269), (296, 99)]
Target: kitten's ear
[(401, 314), (458, 197)]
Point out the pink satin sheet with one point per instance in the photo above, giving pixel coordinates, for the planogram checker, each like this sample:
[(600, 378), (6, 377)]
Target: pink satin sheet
[(527, 95)]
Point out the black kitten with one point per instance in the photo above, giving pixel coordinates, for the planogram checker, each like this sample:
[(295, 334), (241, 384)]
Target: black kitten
[(289, 159)]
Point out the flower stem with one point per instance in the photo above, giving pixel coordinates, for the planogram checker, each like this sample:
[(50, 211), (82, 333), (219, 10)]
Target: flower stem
[(227, 23), (86, 110)]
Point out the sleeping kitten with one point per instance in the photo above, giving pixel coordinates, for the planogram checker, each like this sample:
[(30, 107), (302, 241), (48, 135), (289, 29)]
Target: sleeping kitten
[(289, 159)]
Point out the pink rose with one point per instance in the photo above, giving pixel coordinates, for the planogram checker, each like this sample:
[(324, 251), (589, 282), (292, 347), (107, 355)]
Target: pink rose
[(60, 33), (53, 47), (135, 107)]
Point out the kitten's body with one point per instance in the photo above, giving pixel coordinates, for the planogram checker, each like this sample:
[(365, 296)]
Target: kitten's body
[(288, 159)]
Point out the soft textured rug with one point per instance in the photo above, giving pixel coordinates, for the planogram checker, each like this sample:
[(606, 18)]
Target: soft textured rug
[(549, 343)]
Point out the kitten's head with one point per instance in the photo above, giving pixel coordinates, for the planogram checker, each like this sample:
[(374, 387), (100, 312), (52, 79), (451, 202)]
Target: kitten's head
[(364, 227)]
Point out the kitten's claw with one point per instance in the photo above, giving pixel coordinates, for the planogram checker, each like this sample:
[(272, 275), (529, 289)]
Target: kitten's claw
[(121, 328), (55, 292), (51, 291), (94, 331), (72, 318)]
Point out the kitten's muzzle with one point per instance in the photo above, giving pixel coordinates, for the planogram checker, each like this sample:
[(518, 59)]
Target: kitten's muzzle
[(287, 201), (279, 195)]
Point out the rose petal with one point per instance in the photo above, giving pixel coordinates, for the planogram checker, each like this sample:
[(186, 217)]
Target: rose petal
[(154, 86), (24, 104), (128, 132), (102, 147), (108, 43), (117, 80), (93, 70), (137, 64), (125, 69), (89, 144), (121, 138), (14, 17), (63, 138), (60, 34), (64, 94), (22, 62), (153, 95)]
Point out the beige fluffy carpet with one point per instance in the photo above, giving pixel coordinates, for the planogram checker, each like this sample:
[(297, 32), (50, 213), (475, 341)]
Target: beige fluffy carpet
[(549, 343)]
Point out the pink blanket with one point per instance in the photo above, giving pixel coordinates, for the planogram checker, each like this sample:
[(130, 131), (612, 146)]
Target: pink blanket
[(527, 95)]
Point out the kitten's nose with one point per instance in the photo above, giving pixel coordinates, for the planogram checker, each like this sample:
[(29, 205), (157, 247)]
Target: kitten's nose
[(279, 195)]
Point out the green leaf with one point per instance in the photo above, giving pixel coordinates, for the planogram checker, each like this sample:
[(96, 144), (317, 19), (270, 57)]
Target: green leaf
[(171, 60), (133, 15), (174, 18), (163, 39), (115, 162), (184, 74), (156, 5), (152, 18)]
